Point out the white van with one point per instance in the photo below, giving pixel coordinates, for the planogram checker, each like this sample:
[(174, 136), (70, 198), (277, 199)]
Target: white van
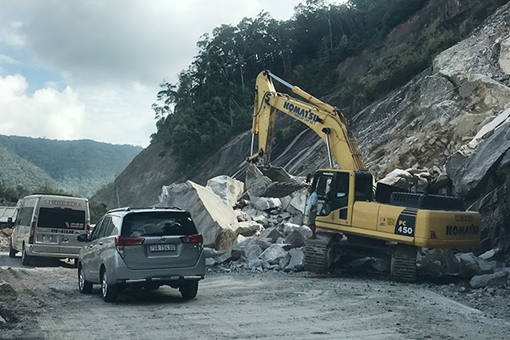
[(47, 226)]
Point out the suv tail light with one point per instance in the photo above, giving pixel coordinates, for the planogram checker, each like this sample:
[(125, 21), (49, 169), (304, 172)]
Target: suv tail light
[(32, 231), (88, 229), (197, 238), (122, 241)]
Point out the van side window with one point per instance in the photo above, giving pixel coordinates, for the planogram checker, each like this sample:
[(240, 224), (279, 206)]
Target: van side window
[(24, 216)]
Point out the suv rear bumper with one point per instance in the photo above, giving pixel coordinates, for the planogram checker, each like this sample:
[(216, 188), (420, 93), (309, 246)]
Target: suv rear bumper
[(163, 279), (121, 274)]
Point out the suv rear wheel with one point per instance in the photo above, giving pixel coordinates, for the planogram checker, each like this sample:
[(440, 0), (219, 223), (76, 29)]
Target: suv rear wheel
[(84, 286), (108, 291), (189, 289)]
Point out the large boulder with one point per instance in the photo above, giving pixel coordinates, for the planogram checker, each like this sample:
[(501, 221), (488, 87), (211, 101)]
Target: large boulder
[(5, 235), (399, 178), (296, 262), (227, 188), (295, 203), (271, 233), (215, 220), (437, 262), (249, 228), (295, 239), (273, 254), (6, 288), (489, 280), (265, 203), (471, 265), (470, 177), (256, 215)]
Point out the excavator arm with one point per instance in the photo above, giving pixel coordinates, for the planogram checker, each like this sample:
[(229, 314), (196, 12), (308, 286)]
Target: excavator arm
[(324, 119)]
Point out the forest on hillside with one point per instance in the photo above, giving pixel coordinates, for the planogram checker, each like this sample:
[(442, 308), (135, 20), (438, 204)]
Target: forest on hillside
[(212, 99), (78, 167)]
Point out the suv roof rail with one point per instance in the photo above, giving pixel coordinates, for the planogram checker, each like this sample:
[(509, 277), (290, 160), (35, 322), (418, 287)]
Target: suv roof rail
[(120, 209), (172, 207)]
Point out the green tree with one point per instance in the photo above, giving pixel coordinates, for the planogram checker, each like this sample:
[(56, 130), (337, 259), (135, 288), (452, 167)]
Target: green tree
[(212, 100)]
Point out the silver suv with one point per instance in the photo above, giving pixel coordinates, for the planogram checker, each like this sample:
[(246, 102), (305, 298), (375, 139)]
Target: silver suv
[(142, 248)]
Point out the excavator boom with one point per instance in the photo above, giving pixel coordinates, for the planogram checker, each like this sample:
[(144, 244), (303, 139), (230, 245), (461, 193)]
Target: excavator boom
[(321, 117)]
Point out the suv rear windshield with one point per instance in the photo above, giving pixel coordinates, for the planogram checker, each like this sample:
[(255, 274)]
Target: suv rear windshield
[(158, 224), (61, 218)]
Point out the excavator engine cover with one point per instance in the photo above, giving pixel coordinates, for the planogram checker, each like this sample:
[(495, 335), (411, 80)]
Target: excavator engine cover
[(426, 201)]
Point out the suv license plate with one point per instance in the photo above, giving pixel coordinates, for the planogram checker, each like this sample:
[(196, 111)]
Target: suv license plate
[(162, 247)]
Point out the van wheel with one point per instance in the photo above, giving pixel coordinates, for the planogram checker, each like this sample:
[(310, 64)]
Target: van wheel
[(84, 286), (189, 289), (109, 292), (25, 258), (12, 252)]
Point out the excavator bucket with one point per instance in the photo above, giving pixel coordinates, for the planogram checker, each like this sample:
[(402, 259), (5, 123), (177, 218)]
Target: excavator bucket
[(271, 182)]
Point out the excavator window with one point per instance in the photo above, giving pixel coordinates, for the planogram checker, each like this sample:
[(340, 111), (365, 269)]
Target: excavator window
[(340, 195), (333, 192), (364, 185), (322, 183)]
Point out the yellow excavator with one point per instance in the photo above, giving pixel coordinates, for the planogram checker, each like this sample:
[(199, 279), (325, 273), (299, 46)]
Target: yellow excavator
[(354, 220)]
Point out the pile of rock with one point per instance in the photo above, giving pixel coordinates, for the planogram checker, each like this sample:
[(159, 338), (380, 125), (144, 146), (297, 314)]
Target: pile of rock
[(418, 179), (5, 234), (481, 271), (245, 232), (271, 248), (241, 230)]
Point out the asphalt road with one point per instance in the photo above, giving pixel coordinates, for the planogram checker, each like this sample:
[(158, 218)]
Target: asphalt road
[(43, 302)]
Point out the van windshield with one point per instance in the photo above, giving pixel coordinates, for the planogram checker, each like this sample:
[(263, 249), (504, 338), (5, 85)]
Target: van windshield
[(158, 224), (61, 218)]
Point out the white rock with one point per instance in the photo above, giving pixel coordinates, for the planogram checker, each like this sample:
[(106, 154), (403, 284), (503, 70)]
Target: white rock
[(265, 203), (227, 188), (273, 254), (215, 220)]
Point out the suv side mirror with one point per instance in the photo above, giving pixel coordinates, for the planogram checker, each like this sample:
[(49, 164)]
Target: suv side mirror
[(9, 222), (82, 238)]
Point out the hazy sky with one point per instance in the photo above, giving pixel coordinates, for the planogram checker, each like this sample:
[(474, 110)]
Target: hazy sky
[(91, 69)]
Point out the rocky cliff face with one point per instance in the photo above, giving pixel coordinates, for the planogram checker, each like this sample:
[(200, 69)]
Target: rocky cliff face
[(451, 119)]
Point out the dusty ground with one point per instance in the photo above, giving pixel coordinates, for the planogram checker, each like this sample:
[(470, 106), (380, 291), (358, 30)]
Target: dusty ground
[(44, 303)]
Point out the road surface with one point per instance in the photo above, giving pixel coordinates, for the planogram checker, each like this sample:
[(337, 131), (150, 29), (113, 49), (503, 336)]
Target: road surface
[(42, 302)]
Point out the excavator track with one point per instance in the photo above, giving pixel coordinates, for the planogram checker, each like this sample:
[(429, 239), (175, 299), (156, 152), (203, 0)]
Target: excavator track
[(403, 263), (323, 251), (318, 253)]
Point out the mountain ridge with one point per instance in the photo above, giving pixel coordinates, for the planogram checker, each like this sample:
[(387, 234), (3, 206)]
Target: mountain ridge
[(76, 166)]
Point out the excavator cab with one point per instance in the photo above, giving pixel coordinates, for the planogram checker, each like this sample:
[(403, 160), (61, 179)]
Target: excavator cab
[(338, 190)]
